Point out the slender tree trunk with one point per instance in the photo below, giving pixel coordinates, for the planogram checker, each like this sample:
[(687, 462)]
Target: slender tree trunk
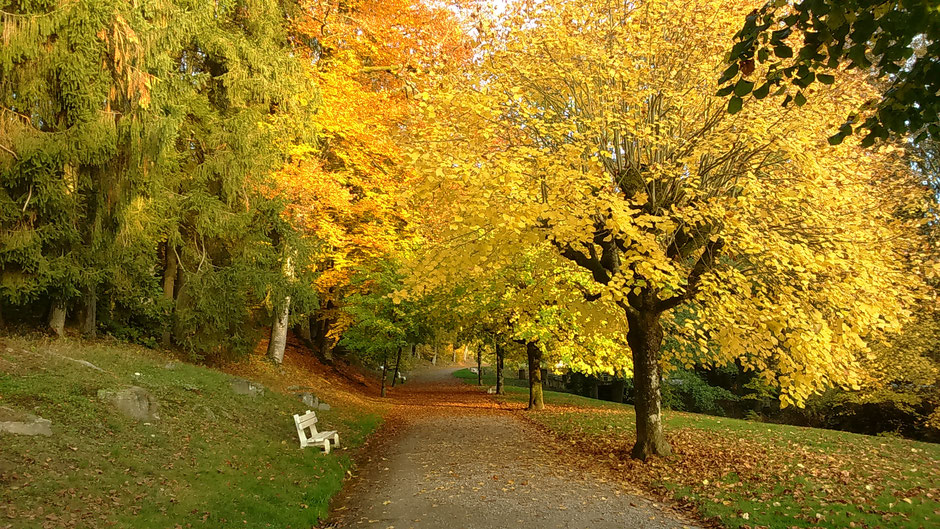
[(384, 372), (534, 354), (57, 317), (278, 341), (397, 366), (2, 321), (479, 366), (90, 319), (645, 336), (455, 354), (320, 328), (499, 370), (169, 292)]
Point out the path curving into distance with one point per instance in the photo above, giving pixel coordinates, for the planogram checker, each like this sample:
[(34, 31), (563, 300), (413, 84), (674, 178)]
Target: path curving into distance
[(452, 458)]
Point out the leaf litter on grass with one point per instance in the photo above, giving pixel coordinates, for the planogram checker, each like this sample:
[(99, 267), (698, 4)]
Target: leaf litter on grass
[(751, 475)]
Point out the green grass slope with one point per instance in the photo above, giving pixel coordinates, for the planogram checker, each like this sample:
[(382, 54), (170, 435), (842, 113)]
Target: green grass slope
[(213, 459), (749, 475)]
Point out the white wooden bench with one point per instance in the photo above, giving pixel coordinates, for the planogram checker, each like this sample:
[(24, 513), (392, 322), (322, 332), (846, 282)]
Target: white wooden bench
[(309, 421)]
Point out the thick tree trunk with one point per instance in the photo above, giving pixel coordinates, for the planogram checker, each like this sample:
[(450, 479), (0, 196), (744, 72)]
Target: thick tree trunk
[(169, 292), (397, 366), (534, 354), (384, 373), (57, 318), (499, 369), (90, 319), (645, 337), (278, 341)]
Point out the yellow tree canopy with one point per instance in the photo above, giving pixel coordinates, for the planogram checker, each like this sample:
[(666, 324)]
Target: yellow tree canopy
[(594, 126)]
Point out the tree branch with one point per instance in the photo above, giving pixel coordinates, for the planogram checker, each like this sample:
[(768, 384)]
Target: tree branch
[(702, 265), (592, 264)]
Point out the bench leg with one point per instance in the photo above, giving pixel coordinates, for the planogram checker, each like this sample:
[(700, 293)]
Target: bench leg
[(336, 440), (326, 446)]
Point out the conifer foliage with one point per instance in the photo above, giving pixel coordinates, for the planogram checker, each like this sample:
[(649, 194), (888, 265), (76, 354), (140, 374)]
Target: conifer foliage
[(138, 139)]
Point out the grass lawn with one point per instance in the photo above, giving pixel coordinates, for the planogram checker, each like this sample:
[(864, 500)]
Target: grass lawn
[(213, 459), (745, 474)]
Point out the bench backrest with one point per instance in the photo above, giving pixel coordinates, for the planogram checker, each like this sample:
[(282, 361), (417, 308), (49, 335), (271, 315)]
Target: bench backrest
[(307, 420)]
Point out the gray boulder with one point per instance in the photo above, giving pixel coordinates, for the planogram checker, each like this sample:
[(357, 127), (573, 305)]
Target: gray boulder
[(246, 387), (309, 399), (21, 423), (134, 402)]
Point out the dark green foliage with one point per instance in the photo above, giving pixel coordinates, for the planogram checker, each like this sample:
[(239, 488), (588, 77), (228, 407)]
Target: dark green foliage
[(686, 390), (382, 323), (899, 41), (136, 132)]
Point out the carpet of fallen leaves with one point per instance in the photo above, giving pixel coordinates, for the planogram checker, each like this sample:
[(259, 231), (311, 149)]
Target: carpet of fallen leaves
[(812, 478)]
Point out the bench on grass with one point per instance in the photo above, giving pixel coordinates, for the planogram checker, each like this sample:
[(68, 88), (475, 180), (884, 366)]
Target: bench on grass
[(309, 421)]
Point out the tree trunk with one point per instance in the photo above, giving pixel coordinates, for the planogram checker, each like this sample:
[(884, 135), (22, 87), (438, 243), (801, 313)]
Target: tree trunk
[(384, 372), (499, 370), (57, 317), (320, 329), (645, 336), (616, 390), (536, 400), (169, 292), (397, 366), (90, 320), (455, 354), (479, 366), (278, 341), (591, 386), (302, 329)]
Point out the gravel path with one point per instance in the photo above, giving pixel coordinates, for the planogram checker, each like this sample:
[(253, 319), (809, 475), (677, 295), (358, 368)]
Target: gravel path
[(459, 461)]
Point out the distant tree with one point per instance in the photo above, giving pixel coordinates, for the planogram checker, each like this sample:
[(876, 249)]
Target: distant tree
[(801, 43), (382, 324)]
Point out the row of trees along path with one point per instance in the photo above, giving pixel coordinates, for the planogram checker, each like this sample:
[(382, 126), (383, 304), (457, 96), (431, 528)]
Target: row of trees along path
[(451, 454)]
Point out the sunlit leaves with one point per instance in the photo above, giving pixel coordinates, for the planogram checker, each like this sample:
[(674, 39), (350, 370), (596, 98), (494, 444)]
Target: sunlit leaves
[(566, 140)]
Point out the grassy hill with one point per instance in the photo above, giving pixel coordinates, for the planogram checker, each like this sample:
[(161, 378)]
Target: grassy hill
[(744, 474), (214, 458)]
